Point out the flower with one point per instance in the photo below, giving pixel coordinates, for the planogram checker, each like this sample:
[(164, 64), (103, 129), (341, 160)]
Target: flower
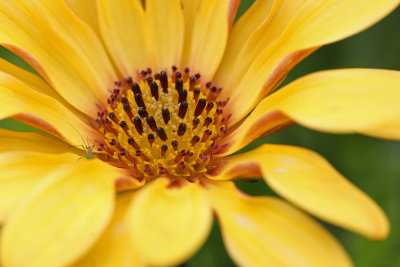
[(160, 97)]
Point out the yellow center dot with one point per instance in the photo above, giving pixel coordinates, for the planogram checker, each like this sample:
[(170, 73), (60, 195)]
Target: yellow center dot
[(162, 125)]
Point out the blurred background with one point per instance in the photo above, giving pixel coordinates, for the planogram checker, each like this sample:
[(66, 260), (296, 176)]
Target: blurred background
[(371, 164)]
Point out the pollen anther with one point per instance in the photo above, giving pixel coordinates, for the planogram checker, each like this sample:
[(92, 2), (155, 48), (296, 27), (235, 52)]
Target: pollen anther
[(164, 124)]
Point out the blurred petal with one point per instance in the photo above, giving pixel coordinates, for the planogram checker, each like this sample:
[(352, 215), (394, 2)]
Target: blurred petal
[(173, 222), (338, 101), (86, 11), (296, 29), (266, 231), (114, 248), (77, 65), (31, 141), (124, 30), (166, 28), (309, 181), (17, 98), (21, 172), (209, 37), (62, 217), (390, 130)]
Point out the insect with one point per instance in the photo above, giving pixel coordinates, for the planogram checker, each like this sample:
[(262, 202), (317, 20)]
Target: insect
[(88, 150), (87, 147)]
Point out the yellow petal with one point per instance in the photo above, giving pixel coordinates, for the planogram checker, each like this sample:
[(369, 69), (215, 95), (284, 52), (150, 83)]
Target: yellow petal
[(114, 248), (298, 28), (124, 30), (338, 101), (70, 53), (36, 83), (21, 172), (86, 11), (242, 30), (209, 37), (266, 231), (168, 225), (30, 141), (390, 130), (166, 29), (309, 181), (62, 217), (17, 98), (33, 81), (189, 9)]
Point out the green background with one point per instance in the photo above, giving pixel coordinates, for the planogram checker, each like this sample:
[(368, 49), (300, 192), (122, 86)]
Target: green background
[(371, 164)]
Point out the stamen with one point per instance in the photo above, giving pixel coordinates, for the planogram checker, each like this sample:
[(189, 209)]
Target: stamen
[(207, 121), (138, 125), (154, 90), (164, 81), (182, 95), (142, 112), (139, 100), (195, 140), (196, 94), (151, 138), (132, 142), (112, 116), (181, 129), (182, 109), (161, 133), (136, 89), (124, 126), (165, 114), (164, 149), (179, 85), (174, 144), (125, 100), (210, 105), (200, 107), (192, 83), (196, 122), (128, 110), (140, 120), (151, 122), (206, 135), (149, 80)]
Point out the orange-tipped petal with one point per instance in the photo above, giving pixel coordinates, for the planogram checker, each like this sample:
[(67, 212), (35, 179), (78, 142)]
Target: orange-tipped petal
[(19, 99), (173, 222), (309, 181), (266, 231), (292, 31), (338, 101), (77, 65), (32, 141), (62, 217)]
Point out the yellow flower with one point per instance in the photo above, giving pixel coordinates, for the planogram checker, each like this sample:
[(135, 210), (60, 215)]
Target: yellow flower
[(160, 96)]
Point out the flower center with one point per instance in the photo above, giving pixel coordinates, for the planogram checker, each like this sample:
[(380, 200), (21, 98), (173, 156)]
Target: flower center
[(162, 125)]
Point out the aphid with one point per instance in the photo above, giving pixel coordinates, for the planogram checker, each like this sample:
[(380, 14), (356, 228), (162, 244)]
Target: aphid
[(88, 149), (86, 146)]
